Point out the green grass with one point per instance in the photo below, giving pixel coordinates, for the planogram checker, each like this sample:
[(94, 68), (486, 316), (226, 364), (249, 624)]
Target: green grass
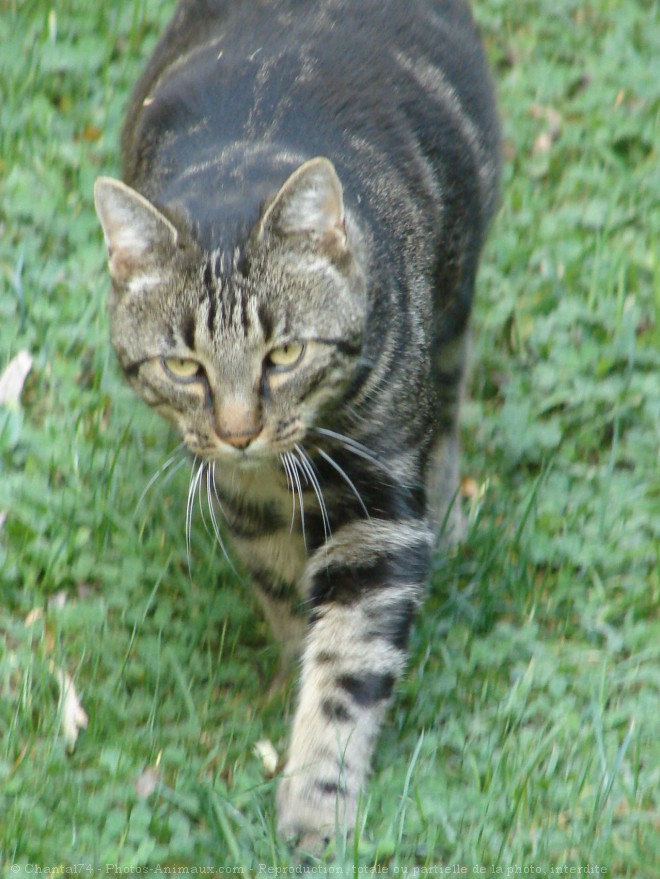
[(525, 736)]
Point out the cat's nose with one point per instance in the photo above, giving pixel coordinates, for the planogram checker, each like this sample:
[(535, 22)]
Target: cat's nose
[(239, 440), (237, 423)]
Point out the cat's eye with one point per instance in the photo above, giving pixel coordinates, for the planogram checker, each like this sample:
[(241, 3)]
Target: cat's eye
[(287, 356), (181, 369)]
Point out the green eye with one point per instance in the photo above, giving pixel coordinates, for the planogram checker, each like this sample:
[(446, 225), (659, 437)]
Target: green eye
[(180, 368), (287, 356)]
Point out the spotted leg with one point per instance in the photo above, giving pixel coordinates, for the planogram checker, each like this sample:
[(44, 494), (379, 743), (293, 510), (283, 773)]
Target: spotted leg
[(363, 588)]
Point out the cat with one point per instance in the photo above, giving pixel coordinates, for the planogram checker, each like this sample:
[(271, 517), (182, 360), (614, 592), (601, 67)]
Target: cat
[(293, 247)]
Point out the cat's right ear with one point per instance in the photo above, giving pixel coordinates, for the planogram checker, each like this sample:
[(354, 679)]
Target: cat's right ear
[(136, 233), (309, 204)]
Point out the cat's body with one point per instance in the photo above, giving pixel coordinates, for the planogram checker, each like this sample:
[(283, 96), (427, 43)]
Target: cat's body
[(303, 320)]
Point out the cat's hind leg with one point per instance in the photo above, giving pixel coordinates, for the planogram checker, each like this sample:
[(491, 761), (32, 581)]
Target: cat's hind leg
[(443, 490), (442, 474)]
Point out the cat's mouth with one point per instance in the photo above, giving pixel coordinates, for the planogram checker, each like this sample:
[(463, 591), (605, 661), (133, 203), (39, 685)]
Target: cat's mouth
[(251, 456)]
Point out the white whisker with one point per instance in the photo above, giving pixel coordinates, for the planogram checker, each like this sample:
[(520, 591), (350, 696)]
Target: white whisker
[(284, 458), (216, 495), (174, 471), (210, 478), (204, 468), (295, 472), (352, 445), (192, 489), (346, 478), (159, 473), (309, 468)]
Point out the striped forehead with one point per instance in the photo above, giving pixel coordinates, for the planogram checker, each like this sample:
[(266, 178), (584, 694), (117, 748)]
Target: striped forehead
[(231, 309)]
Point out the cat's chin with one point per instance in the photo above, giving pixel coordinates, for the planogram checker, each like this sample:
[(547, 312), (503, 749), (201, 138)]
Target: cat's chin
[(242, 460), (246, 462)]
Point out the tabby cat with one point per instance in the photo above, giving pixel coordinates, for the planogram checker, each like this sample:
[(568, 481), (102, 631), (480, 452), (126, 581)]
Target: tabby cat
[(293, 249)]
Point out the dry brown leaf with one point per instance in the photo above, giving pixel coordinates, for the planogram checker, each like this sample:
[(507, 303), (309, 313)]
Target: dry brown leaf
[(91, 133)]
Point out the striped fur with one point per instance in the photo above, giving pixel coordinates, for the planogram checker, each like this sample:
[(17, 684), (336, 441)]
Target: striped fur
[(293, 250)]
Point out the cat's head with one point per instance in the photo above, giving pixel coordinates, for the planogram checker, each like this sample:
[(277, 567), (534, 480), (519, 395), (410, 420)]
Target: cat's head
[(243, 352)]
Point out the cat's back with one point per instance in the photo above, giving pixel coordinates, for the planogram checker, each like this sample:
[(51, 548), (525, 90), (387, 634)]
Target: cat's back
[(363, 40), (351, 80)]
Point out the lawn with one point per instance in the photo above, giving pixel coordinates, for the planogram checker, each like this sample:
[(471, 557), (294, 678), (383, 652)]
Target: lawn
[(525, 739)]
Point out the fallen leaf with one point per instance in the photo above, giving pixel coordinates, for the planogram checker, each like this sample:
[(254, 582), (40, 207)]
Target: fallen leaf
[(544, 141), (13, 378), (474, 493), (17, 762), (73, 716), (542, 144), (35, 614), (147, 782), (91, 133), (550, 115), (84, 590), (58, 600), (268, 755)]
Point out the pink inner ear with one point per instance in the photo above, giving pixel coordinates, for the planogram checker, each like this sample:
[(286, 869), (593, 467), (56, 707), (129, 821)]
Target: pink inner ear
[(310, 203), (126, 256), (316, 207), (133, 228), (123, 266), (336, 234)]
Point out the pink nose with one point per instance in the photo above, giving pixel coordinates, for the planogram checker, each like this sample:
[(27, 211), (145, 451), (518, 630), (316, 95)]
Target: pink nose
[(237, 422), (239, 440)]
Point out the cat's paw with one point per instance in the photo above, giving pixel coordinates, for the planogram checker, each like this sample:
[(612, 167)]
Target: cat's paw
[(310, 811)]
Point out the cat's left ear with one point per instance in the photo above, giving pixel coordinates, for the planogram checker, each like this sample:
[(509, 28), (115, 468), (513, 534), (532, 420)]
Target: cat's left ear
[(138, 236), (311, 204)]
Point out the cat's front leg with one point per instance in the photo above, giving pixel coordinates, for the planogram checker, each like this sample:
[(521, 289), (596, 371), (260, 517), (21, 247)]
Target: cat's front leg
[(363, 587)]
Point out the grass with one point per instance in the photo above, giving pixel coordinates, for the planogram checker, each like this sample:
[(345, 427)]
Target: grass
[(524, 739)]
